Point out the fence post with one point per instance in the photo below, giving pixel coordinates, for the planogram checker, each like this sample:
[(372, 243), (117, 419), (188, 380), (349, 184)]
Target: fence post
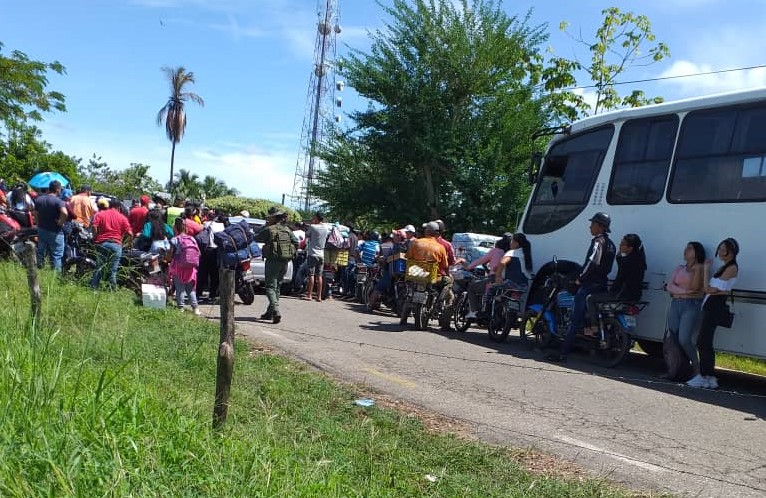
[(225, 365), (29, 258)]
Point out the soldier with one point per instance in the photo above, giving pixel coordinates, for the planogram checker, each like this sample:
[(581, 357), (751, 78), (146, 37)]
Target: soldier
[(280, 246)]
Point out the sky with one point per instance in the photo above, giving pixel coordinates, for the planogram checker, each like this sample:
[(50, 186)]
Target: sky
[(252, 60)]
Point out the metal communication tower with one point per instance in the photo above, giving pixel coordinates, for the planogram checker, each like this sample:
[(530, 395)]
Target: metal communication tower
[(320, 103)]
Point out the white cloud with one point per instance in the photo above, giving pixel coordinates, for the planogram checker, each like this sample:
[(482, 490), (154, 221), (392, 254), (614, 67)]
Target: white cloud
[(689, 85)]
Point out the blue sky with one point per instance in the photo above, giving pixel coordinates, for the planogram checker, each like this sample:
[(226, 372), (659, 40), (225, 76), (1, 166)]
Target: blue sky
[(252, 60)]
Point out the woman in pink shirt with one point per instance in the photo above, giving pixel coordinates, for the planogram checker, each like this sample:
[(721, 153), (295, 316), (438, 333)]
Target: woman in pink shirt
[(492, 261), (686, 291)]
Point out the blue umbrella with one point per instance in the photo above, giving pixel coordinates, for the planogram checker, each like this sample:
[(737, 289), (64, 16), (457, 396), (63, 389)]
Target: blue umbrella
[(42, 180)]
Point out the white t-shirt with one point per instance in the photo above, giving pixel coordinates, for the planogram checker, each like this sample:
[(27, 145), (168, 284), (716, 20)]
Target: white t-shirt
[(722, 285), (519, 254)]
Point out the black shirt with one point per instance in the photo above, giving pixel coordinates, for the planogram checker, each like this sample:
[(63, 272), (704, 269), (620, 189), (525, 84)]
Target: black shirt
[(630, 278), (48, 212), (598, 261)]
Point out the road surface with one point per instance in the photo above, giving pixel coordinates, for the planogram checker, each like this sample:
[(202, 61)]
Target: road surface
[(624, 424)]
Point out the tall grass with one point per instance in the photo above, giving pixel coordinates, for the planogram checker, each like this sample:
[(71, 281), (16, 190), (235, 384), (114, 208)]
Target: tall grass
[(105, 398)]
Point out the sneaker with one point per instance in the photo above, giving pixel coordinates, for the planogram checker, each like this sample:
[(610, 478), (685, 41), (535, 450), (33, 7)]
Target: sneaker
[(698, 381), (471, 315), (196, 312), (276, 318), (712, 382), (268, 315)]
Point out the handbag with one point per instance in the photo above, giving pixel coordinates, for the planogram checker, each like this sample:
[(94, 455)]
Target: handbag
[(724, 317)]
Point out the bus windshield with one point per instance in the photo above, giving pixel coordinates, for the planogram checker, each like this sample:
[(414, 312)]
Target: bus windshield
[(566, 180)]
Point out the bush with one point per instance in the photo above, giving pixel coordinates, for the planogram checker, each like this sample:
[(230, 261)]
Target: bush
[(258, 208)]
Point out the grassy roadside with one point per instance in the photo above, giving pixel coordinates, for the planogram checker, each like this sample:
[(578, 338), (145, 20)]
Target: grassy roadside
[(740, 363), (105, 398)]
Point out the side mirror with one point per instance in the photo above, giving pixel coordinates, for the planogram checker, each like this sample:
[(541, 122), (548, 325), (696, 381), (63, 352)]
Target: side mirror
[(534, 167)]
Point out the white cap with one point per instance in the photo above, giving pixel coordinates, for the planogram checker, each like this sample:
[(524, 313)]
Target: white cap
[(244, 213), (410, 228)]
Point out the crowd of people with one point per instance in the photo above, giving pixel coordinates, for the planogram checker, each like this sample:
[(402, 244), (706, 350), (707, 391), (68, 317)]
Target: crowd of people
[(178, 231)]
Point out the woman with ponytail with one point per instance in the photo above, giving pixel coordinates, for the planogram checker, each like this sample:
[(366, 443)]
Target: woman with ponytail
[(515, 267), (627, 286)]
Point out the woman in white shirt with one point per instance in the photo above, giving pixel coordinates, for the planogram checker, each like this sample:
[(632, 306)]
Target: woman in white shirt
[(717, 290)]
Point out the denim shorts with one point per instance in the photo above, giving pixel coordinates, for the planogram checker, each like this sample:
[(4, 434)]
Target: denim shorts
[(314, 265)]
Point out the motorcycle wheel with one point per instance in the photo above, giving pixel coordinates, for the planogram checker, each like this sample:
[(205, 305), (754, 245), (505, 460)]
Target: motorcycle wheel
[(497, 319), (462, 307), (421, 316), (246, 293), (536, 330), (78, 269), (618, 343)]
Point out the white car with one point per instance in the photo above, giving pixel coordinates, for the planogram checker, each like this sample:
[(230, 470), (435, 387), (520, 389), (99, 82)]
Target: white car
[(258, 265)]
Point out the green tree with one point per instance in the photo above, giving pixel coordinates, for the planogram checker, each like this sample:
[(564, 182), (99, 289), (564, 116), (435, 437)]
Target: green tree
[(173, 113), (623, 40), (448, 131), (23, 88), (25, 153), (186, 185), (212, 187), (258, 208)]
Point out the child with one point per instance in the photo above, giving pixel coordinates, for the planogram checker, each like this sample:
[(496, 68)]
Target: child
[(184, 265)]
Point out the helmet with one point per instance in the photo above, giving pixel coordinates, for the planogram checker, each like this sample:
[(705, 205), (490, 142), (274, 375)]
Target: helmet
[(374, 235), (602, 219)]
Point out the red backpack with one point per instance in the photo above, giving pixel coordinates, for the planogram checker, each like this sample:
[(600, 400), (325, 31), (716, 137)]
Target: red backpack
[(188, 251)]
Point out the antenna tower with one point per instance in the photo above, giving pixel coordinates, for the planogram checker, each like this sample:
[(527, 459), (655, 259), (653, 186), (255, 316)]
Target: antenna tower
[(321, 103)]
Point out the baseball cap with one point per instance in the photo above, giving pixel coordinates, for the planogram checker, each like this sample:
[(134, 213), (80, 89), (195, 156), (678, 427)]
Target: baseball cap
[(410, 228), (103, 202), (145, 200), (244, 213), (431, 225)]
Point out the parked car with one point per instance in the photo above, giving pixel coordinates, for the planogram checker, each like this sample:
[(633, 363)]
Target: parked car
[(258, 265)]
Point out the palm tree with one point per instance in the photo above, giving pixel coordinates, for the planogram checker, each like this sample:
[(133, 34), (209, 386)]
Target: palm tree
[(187, 185), (213, 187), (173, 113)]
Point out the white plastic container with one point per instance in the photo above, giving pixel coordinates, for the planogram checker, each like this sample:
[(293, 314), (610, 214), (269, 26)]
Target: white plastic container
[(153, 296)]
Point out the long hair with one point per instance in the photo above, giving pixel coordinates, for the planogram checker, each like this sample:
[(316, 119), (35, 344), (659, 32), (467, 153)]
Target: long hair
[(526, 247), (699, 251), (732, 247), (504, 243), (634, 241), (157, 230), (180, 225)]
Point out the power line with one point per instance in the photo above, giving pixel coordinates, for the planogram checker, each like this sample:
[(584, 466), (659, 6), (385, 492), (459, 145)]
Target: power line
[(663, 78)]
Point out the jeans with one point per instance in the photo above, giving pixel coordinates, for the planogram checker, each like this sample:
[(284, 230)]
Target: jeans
[(683, 320), (349, 279), (51, 243), (107, 252), (275, 272), (184, 289), (577, 321)]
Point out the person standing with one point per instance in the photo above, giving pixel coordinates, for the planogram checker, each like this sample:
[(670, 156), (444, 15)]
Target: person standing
[(593, 278), (183, 266), (280, 246), (51, 214), (137, 216), (110, 226), (316, 236)]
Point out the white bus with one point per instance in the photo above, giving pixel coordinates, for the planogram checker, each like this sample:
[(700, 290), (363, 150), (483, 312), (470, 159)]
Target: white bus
[(691, 170)]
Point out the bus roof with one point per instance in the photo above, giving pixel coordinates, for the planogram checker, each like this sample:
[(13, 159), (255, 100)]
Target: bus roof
[(690, 104)]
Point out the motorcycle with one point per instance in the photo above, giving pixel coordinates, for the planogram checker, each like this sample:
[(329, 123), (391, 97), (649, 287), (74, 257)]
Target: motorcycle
[(243, 282), (360, 272), (426, 299), (501, 311), (547, 318), (79, 253)]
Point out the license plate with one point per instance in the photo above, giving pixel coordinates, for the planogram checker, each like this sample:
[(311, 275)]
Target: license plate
[(513, 306), (630, 321), (419, 297)]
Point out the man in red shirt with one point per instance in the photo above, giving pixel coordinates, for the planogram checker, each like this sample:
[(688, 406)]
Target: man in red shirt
[(137, 216), (109, 226)]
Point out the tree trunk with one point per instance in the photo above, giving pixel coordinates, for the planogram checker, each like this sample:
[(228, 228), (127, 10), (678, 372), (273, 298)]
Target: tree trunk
[(29, 258), (430, 191), (172, 161), (225, 366)]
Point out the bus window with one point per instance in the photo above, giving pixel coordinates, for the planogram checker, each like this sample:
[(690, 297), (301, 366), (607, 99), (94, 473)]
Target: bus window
[(566, 180), (642, 160), (720, 157)]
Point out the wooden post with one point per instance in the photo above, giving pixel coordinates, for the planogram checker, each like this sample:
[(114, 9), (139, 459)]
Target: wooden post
[(29, 258), (225, 349)]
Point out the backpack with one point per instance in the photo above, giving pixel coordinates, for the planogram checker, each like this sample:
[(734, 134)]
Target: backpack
[(335, 239), (234, 237), (203, 238), (678, 364), (281, 242), (188, 252)]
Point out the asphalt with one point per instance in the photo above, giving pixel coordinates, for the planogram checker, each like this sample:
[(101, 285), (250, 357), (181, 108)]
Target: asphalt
[(624, 424)]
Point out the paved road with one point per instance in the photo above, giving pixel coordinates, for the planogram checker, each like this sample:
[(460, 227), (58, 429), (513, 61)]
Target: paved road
[(625, 424)]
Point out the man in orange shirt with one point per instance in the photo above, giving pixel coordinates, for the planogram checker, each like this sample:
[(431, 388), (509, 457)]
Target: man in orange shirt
[(429, 249), (82, 206)]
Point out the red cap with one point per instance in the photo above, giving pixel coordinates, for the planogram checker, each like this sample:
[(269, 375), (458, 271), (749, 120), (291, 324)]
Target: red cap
[(145, 200)]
